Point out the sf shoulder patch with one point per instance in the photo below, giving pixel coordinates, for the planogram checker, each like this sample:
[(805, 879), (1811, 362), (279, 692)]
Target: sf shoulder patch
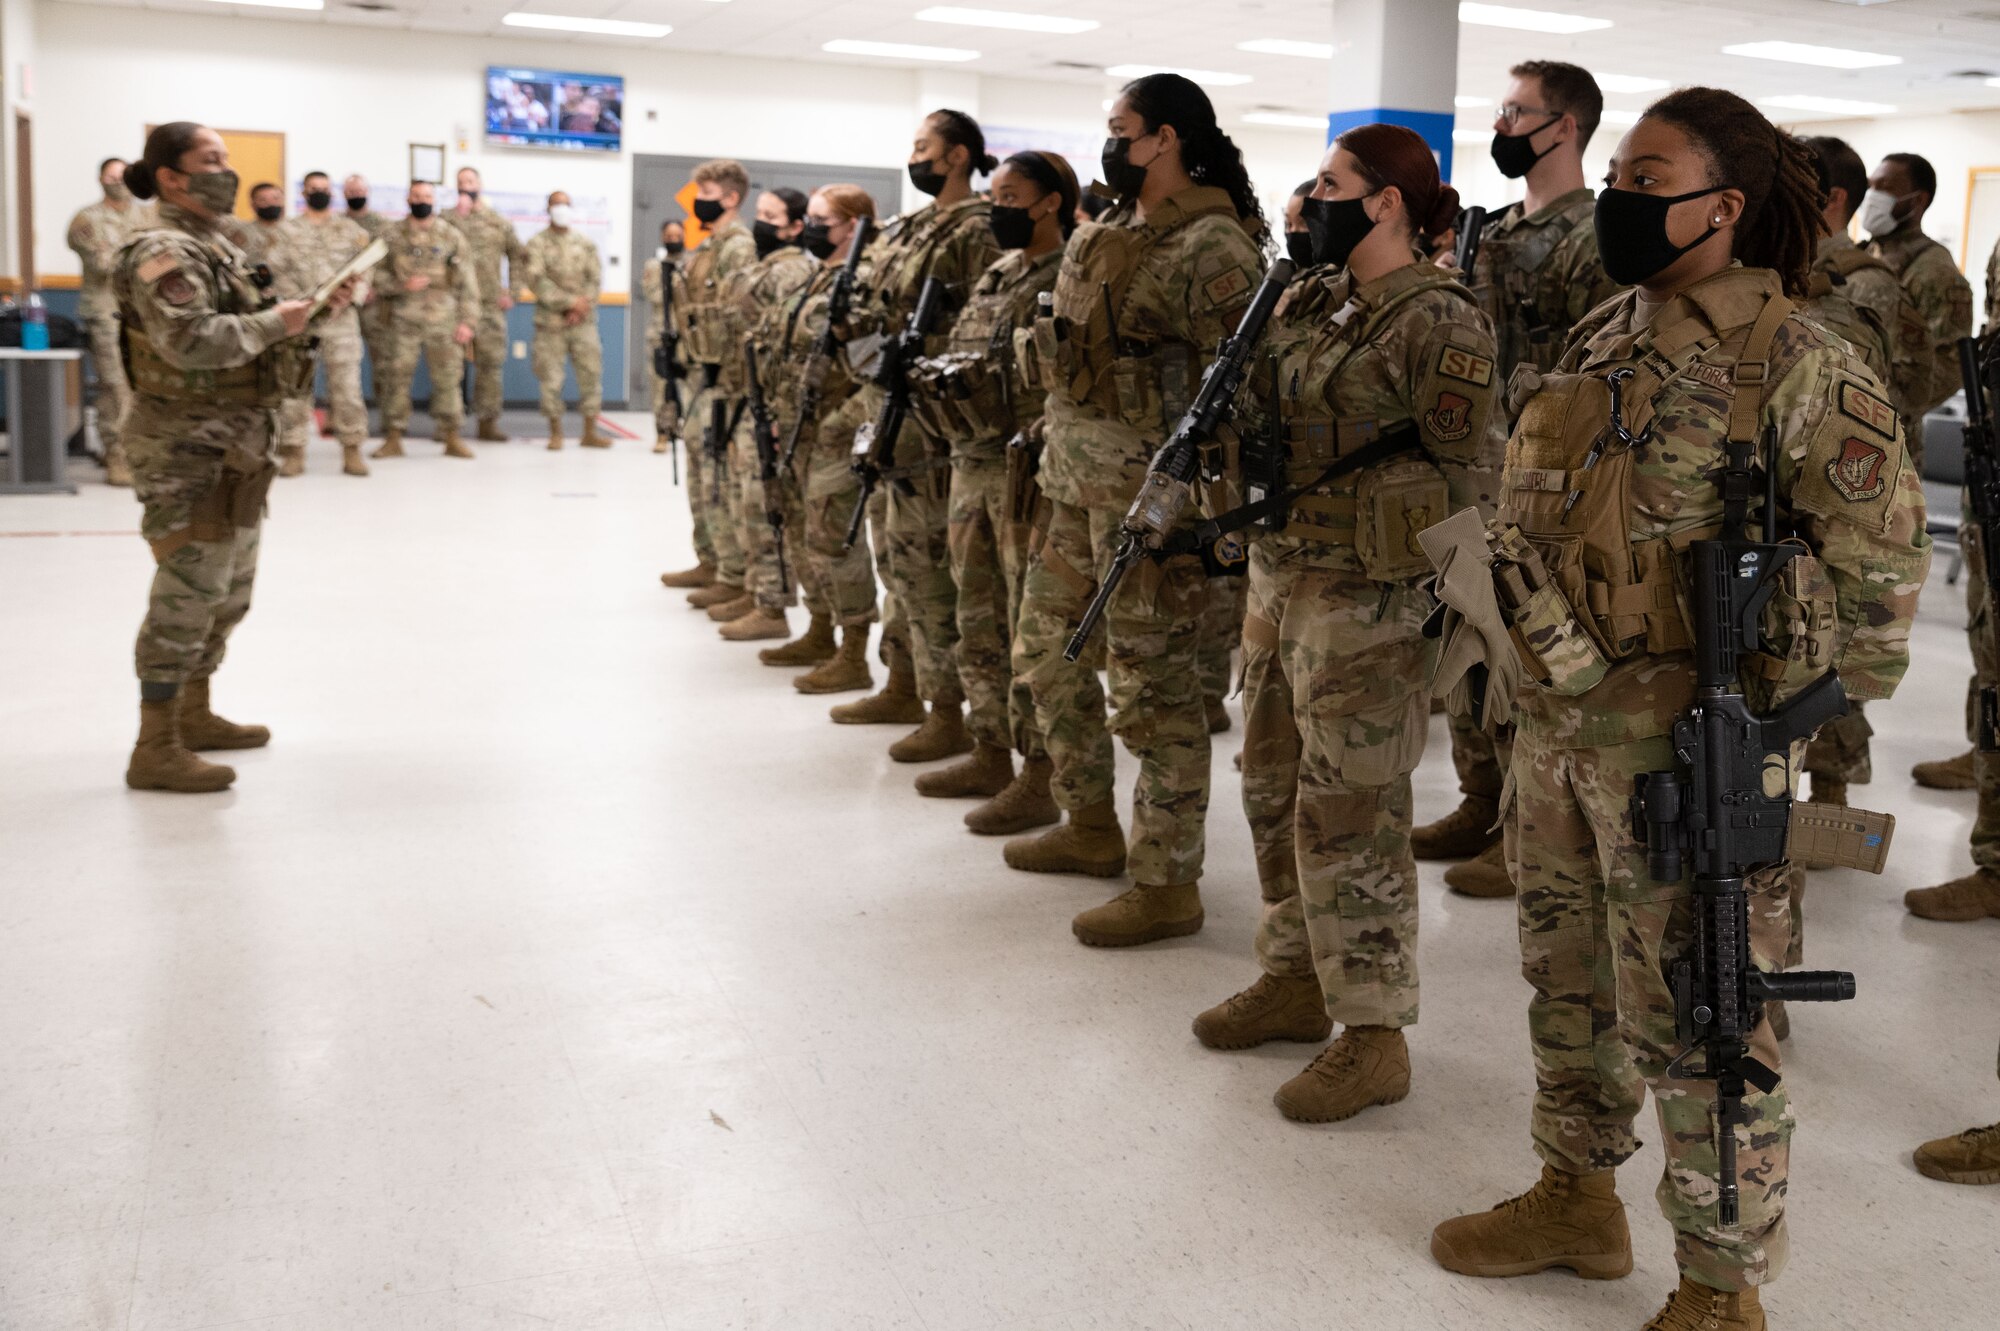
[(1451, 419), (1857, 473), (1470, 366), (1858, 404), (1222, 291)]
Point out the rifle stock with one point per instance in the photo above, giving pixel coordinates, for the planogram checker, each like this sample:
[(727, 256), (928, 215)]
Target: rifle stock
[(812, 377), (766, 432), (892, 376)]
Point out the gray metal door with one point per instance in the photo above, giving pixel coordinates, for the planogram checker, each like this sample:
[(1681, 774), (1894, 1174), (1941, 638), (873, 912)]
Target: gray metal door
[(655, 181)]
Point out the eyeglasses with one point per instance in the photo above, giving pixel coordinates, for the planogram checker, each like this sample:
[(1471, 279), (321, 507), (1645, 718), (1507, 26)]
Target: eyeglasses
[(1510, 115)]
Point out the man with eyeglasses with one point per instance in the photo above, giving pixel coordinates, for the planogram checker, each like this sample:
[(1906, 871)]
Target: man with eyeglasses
[(1536, 275)]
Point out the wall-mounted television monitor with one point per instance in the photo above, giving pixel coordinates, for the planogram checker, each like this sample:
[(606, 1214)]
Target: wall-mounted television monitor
[(544, 108)]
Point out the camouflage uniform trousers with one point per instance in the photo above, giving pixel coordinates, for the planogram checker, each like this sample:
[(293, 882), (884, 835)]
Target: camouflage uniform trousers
[(1335, 714), (1597, 934), (753, 526), (989, 561), (446, 360), (205, 565), (1479, 761), (848, 576), (114, 395), (917, 535), (1221, 633), (489, 363), (1152, 639), (1985, 672), (340, 356), (709, 490), (577, 345), (378, 333)]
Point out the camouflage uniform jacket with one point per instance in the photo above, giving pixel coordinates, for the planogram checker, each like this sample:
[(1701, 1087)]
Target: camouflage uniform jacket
[(977, 369), (186, 288), (493, 240), (953, 244), (1408, 349), (1944, 298), (700, 306), (97, 233), (439, 253), (373, 223), (754, 300), (319, 249), (1536, 276), (790, 333), (1856, 296), (562, 267), (271, 244), (649, 284), (1176, 284), (1845, 483)]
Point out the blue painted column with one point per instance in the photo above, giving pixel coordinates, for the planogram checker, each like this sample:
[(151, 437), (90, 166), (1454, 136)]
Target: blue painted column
[(1396, 62)]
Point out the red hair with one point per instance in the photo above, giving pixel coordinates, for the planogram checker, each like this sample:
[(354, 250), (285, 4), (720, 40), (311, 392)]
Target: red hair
[(1392, 155)]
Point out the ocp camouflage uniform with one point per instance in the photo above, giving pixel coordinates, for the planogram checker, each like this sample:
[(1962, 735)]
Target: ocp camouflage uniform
[(492, 240), (1335, 662), (318, 250), (425, 322), (666, 420), (752, 296), (563, 268), (377, 325), (972, 393), (1943, 297), (209, 363), (97, 233), (1178, 280), (1597, 932), (1535, 275), (955, 245), (710, 352)]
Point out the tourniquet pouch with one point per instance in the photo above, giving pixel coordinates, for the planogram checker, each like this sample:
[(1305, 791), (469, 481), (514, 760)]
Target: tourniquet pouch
[(247, 500), (1800, 628), (1393, 502), (1554, 649)]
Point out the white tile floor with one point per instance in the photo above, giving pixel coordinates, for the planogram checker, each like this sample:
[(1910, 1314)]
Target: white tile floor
[(558, 966)]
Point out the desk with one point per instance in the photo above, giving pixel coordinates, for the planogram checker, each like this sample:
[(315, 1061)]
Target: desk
[(37, 420)]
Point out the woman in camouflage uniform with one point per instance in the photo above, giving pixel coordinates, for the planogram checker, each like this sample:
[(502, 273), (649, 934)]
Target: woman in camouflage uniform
[(973, 396), (1712, 212), (1381, 364), (211, 361), (1142, 298)]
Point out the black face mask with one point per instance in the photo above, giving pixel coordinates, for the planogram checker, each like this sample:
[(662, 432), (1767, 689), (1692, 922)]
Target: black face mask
[(1515, 155), (816, 240), (1119, 173), (1336, 227), (420, 211), (1299, 248), (469, 195), (708, 211), (767, 238), (1013, 228), (357, 203), (270, 212), (319, 200), (927, 178), (674, 248), (1632, 233)]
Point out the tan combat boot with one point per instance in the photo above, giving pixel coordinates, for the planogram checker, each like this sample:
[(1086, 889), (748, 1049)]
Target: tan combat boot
[(1367, 1065), (350, 461), (490, 431), (117, 471), (161, 762), (1218, 715), (760, 625), (1946, 773), (1460, 834), (1973, 1156), (701, 575), (1091, 842), (1143, 913), (715, 593), (391, 445), (1484, 876), (1973, 897), (726, 612), (986, 773), (843, 672), (942, 735), (1277, 1007), (555, 434), (1025, 803), (808, 649), (1698, 1307), (291, 460), (1828, 789), (661, 443), (202, 729), (454, 447), (1571, 1221), (897, 704), (591, 438)]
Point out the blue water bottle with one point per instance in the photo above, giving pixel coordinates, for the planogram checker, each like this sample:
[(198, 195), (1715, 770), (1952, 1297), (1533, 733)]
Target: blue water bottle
[(34, 323)]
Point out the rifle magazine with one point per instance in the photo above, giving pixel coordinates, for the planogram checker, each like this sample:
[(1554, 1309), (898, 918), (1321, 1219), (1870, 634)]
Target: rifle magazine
[(1837, 836)]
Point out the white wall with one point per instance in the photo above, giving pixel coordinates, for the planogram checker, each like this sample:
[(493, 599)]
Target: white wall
[(18, 66)]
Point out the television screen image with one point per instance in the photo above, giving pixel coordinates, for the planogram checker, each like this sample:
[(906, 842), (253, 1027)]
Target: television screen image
[(541, 108)]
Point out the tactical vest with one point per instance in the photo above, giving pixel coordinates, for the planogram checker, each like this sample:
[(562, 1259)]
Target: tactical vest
[(966, 394), (282, 370), (1581, 590), (1844, 264), (1524, 326), (701, 305)]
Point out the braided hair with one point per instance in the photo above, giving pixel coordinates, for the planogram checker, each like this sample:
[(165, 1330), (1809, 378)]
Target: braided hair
[(1778, 175), (1210, 156)]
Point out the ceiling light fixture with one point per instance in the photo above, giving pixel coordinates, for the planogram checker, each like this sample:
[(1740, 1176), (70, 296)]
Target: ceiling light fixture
[(898, 50), (1285, 119), (1629, 83), (602, 27), (1528, 20), (1285, 46), (277, 4), (1800, 53), (1210, 76), (1841, 106), (1006, 18)]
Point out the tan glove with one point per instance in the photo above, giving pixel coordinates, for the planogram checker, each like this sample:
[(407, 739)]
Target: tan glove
[(1474, 632)]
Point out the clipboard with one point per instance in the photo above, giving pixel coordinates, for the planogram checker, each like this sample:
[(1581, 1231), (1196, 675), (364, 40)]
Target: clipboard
[(375, 251)]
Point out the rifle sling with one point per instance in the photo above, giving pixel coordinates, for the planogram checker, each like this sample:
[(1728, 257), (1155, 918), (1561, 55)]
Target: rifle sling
[(1390, 443)]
